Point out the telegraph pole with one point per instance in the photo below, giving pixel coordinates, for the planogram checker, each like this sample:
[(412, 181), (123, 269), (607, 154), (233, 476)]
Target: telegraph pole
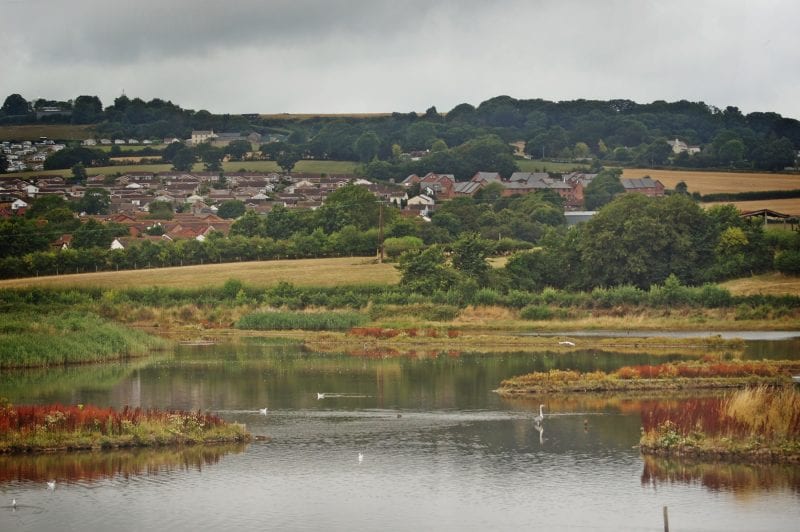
[(380, 230)]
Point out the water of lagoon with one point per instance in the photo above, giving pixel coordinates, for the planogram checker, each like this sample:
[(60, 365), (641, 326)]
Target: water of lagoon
[(439, 451)]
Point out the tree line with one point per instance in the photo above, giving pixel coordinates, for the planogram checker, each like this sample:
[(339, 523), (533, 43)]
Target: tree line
[(633, 240), (619, 131)]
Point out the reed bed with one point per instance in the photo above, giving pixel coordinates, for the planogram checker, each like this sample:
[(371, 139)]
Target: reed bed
[(50, 427), (29, 340), (759, 423)]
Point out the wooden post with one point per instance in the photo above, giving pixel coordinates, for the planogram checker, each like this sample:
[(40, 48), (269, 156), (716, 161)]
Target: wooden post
[(666, 520)]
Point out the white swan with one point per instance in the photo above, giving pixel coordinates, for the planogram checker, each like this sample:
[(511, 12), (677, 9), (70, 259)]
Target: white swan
[(538, 419), (51, 484), (263, 411), (14, 503), (320, 396)]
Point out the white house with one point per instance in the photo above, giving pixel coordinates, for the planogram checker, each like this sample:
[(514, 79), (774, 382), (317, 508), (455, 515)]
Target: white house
[(422, 199), (200, 136), (18, 204)]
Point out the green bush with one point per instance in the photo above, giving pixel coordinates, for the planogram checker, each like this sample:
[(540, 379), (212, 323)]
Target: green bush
[(788, 262), (537, 312), (311, 321)]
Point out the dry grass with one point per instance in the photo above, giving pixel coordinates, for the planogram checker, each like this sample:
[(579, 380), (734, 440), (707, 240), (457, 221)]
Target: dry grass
[(786, 206), (303, 272), (711, 182), (768, 284)]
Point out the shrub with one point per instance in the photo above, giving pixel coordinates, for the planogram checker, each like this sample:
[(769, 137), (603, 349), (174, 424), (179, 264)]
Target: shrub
[(788, 262), (312, 321), (536, 312)]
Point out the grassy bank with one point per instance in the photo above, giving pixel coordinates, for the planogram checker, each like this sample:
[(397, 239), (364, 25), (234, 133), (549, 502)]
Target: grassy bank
[(56, 427), (35, 340), (756, 424), (703, 374)]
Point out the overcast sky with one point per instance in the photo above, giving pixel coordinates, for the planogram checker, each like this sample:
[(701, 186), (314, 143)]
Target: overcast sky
[(329, 56)]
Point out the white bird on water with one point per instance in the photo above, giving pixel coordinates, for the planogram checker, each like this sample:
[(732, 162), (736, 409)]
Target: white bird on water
[(263, 411), (51, 484), (320, 396), (14, 503), (567, 342), (360, 457), (538, 419)]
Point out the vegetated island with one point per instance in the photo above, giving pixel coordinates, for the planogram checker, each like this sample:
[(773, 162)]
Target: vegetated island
[(700, 374), (48, 428), (759, 424)]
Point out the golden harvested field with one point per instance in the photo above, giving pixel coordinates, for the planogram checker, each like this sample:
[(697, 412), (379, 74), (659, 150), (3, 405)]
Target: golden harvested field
[(786, 206), (711, 182), (304, 272), (768, 283)]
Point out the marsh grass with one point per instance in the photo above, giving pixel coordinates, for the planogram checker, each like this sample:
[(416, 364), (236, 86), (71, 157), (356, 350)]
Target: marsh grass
[(310, 321), (47, 427), (762, 422), (673, 375), (31, 340)]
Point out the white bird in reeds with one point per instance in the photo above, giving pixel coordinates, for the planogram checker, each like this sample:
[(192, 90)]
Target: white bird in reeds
[(51, 484), (360, 457), (538, 419), (263, 411), (320, 396), (567, 343)]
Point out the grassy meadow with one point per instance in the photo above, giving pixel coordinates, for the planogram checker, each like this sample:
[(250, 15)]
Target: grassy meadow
[(51, 131), (310, 167), (301, 272)]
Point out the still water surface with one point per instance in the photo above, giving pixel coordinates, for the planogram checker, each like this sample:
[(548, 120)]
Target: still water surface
[(439, 451)]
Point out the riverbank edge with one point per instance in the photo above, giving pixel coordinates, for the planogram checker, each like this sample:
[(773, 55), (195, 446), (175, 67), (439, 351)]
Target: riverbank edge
[(642, 385), (123, 443), (717, 450)]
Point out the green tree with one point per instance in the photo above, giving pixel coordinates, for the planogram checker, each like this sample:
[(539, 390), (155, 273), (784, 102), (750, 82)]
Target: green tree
[(603, 188), (15, 105), (366, 146), (350, 205), (287, 159), (639, 240), (183, 159), (237, 149), (469, 256), (95, 234), (250, 224), (425, 271), (160, 210), (87, 110), (94, 201), (231, 209), (79, 172)]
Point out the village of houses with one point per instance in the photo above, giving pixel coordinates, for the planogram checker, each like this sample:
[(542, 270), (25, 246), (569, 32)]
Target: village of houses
[(195, 199)]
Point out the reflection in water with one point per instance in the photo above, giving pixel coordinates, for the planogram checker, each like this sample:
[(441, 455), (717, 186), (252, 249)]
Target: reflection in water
[(740, 478), (91, 466)]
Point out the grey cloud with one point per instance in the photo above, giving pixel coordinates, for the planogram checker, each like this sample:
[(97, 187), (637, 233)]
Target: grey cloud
[(345, 55)]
